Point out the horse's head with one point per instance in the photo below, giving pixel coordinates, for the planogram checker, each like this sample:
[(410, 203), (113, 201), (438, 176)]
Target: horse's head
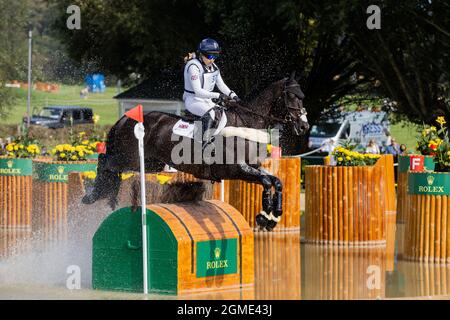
[(289, 105)]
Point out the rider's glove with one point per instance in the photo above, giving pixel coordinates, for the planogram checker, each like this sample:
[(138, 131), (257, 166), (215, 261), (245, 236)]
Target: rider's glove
[(237, 99), (224, 97)]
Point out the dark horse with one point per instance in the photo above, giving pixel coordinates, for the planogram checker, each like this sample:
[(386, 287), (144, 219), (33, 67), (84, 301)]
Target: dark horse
[(279, 104)]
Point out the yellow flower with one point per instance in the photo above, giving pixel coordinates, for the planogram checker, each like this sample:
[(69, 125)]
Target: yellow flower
[(162, 179), (90, 175), (9, 147), (433, 128), (82, 133), (126, 176), (62, 155), (16, 147), (74, 157), (81, 154), (96, 118), (448, 153), (348, 158), (340, 159), (441, 120), (59, 148), (21, 146), (85, 142)]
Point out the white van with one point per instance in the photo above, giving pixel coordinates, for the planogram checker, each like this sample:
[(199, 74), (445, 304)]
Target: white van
[(356, 127)]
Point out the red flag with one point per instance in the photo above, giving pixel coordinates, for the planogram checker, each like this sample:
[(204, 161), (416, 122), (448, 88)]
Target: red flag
[(136, 113)]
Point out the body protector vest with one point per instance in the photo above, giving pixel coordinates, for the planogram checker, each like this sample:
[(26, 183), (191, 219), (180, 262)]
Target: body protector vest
[(208, 77)]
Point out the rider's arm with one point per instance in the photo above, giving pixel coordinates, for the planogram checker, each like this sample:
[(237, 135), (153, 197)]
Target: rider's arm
[(223, 87), (194, 78)]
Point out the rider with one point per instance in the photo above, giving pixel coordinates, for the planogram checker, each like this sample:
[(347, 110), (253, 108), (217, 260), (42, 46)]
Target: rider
[(201, 75)]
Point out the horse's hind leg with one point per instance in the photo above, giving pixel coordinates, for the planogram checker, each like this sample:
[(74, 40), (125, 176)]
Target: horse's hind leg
[(253, 174)]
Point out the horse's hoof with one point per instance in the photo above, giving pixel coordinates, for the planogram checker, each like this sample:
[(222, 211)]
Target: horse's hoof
[(261, 220), (89, 199), (271, 225)]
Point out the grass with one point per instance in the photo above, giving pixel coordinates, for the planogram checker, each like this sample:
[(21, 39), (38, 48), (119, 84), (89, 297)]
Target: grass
[(102, 104), (405, 132)]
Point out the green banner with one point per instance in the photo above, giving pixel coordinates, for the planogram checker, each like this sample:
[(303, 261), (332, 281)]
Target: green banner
[(16, 167), (437, 184), (92, 156), (216, 257), (403, 163), (59, 172)]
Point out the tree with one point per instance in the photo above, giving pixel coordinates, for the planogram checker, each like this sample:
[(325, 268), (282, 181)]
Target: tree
[(13, 48), (409, 55)]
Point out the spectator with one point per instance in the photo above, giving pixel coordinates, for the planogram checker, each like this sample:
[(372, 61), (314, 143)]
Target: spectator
[(403, 149), (393, 148), (84, 93), (372, 147)]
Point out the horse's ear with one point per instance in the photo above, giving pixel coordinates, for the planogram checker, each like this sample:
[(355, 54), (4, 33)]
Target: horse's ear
[(292, 77)]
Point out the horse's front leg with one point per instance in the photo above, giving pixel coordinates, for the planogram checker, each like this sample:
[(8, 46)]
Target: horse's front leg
[(277, 202), (253, 174)]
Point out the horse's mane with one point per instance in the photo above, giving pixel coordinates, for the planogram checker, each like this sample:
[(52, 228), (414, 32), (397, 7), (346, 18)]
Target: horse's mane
[(260, 86)]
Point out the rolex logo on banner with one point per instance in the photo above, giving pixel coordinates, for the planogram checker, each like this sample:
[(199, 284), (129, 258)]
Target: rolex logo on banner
[(217, 253), (430, 180)]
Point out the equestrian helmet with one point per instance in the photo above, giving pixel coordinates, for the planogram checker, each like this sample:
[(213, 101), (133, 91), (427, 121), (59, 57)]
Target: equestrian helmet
[(209, 46)]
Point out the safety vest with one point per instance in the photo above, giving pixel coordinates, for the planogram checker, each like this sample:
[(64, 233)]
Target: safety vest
[(208, 78)]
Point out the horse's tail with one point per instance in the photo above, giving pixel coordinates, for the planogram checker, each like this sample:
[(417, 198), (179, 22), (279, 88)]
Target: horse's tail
[(106, 185)]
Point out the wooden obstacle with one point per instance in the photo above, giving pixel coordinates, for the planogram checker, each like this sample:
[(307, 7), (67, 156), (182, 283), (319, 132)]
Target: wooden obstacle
[(345, 205), (427, 225), (277, 265), (337, 273), (402, 183), (246, 197), (193, 247), (15, 193), (387, 163), (50, 195)]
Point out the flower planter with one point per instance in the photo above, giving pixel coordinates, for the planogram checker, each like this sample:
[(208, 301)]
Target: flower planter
[(50, 195), (246, 197), (427, 225), (345, 205), (15, 192), (402, 183)]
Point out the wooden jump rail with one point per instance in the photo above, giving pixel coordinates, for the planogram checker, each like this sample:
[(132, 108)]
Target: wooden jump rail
[(345, 205), (15, 193)]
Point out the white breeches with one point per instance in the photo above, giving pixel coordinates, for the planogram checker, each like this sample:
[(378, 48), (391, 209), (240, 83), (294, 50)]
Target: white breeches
[(199, 106)]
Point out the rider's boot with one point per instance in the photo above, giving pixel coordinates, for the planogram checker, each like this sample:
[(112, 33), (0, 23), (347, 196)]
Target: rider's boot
[(207, 123)]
